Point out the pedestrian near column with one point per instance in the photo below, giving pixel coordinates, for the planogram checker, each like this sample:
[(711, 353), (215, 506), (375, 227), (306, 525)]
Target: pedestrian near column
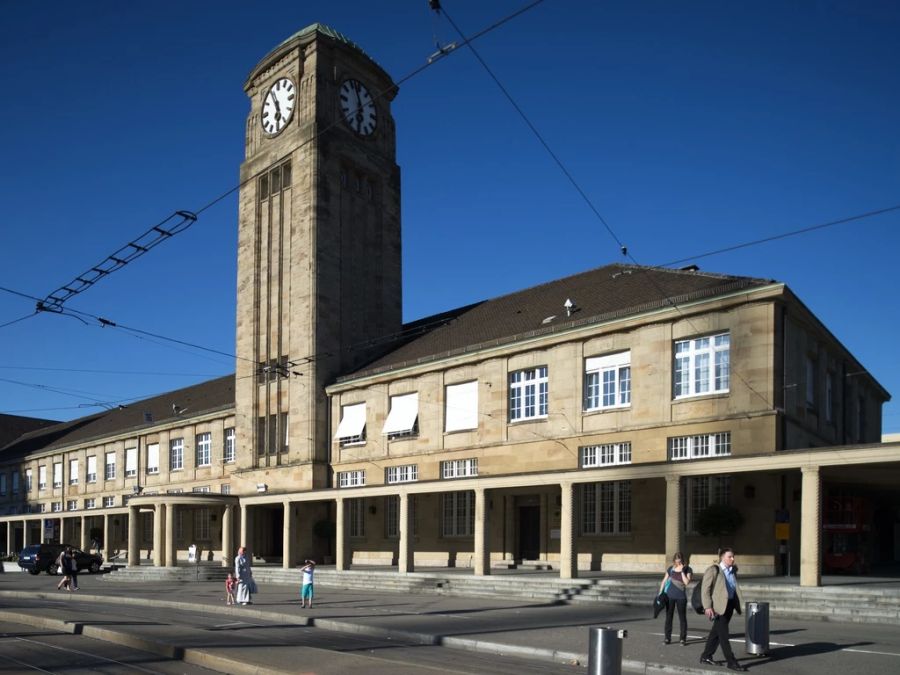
[(721, 598), (62, 565), (244, 575), (306, 590), (72, 569), (674, 584)]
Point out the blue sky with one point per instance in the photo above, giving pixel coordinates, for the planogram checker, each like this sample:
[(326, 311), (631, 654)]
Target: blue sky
[(690, 126)]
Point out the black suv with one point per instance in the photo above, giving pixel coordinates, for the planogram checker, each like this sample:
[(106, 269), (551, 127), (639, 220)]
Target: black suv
[(39, 558)]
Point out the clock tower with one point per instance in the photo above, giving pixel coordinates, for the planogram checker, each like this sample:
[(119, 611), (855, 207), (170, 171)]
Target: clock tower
[(319, 282)]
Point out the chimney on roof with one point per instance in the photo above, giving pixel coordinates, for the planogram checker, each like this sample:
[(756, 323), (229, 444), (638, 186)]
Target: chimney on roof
[(690, 268)]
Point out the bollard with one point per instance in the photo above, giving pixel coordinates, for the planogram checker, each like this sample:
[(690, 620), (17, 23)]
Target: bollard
[(605, 651), (756, 632)]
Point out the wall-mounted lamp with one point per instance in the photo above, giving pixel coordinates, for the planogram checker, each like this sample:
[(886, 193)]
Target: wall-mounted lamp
[(262, 487)]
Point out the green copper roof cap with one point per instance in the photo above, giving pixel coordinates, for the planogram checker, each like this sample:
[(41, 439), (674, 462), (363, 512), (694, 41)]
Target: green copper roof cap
[(324, 30)]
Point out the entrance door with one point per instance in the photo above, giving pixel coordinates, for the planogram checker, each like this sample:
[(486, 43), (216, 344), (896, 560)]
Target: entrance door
[(529, 532)]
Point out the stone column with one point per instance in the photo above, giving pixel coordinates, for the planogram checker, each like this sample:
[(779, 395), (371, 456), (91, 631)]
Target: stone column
[(106, 547), (810, 527), (25, 541), (85, 534), (673, 516), (171, 556), (568, 556), (245, 526), (482, 558), (159, 514), (288, 531), (10, 536), (228, 551), (342, 547), (134, 525), (406, 558)]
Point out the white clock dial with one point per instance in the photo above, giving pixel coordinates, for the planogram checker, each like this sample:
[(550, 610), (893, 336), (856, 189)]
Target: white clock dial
[(278, 106), (358, 107)]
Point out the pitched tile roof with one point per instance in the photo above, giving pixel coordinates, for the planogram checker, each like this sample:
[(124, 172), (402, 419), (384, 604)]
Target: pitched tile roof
[(13, 426), (601, 294)]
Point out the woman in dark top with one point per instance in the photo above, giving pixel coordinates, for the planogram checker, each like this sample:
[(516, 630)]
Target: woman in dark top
[(674, 583)]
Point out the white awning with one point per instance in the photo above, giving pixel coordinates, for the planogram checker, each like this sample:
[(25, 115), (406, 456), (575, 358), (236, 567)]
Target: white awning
[(462, 406), (609, 361), (353, 422), (404, 411)]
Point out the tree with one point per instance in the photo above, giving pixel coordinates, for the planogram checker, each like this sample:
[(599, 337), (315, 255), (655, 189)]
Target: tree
[(719, 520)]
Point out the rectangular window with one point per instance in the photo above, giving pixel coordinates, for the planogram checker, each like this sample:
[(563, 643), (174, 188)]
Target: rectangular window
[(392, 516), (176, 454), (230, 446), (699, 493), (42, 477), (528, 394), (829, 397), (702, 365), (57, 474), (201, 524), (352, 428), (225, 489), (73, 472), (408, 473), (200, 489), (608, 454), (458, 514), (351, 478), (92, 470), (90, 503), (698, 447), (403, 419), (152, 458), (2, 484), (56, 507), (461, 406), (131, 461), (29, 480), (459, 468), (15, 482), (811, 367), (204, 449), (110, 466), (606, 508), (357, 516), (72, 505), (109, 502), (607, 381), (42, 508)]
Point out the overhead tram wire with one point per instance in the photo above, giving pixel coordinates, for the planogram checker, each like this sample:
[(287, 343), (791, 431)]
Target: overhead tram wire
[(15, 321)]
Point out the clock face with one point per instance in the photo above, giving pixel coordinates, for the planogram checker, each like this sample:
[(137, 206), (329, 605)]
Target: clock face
[(358, 107), (278, 106)]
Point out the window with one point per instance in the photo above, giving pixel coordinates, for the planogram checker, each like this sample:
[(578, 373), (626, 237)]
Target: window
[(700, 492), (130, 462), (90, 503), (269, 429), (351, 478), (15, 482), (392, 516), (29, 482), (204, 449), (606, 508), (201, 489), (201, 524), (702, 365), (42, 508), (408, 473), (152, 458), (607, 381), (829, 397), (42, 477), (109, 502), (230, 446), (176, 454), (56, 507), (608, 454), (225, 489), (73, 472), (461, 406), (2, 484), (179, 524), (72, 505), (811, 382), (697, 447), (352, 429), (459, 468), (458, 514), (356, 509), (528, 394), (110, 466), (403, 419), (92, 470), (57, 474)]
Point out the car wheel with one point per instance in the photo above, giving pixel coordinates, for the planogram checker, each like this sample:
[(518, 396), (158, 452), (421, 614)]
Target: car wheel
[(53, 569), (94, 568), (34, 571)]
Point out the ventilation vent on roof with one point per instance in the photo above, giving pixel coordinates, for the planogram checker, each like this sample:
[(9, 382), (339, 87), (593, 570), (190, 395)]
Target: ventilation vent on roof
[(690, 268)]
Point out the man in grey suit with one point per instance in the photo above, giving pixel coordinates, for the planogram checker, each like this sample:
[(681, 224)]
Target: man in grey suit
[(721, 598)]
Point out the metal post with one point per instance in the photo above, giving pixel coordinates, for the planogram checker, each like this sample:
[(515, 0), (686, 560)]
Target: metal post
[(756, 632), (605, 651)]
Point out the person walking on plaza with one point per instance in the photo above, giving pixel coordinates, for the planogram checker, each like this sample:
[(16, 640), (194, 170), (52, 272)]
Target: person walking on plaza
[(721, 598), (306, 590), (229, 589), (244, 575), (674, 584), (62, 564)]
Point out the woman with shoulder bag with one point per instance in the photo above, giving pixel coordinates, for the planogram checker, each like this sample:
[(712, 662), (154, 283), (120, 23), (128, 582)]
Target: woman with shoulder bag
[(674, 584)]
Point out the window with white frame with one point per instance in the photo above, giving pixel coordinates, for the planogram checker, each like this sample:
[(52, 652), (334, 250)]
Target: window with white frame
[(352, 427), (461, 402), (606, 507), (57, 474), (408, 473), (356, 511), (131, 462), (403, 419), (829, 397), (176, 454), (699, 493), (110, 466), (109, 502), (15, 482), (72, 505), (459, 468), (204, 449), (202, 489), (91, 469), (607, 454), (152, 458), (811, 367), (56, 507), (73, 472), (458, 514), (225, 489), (355, 478), (29, 480), (230, 452), (392, 516), (702, 365), (528, 394), (42, 477), (90, 503), (201, 524), (607, 381), (698, 447), (42, 508)]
